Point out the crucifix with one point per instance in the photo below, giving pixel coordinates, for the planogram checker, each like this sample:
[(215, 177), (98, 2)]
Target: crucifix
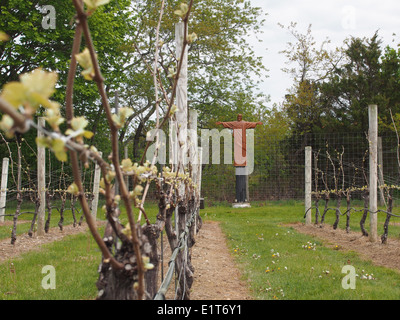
[(239, 128)]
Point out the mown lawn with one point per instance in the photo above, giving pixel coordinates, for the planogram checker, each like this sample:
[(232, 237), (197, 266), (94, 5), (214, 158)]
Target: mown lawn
[(280, 263), (275, 260), (75, 260)]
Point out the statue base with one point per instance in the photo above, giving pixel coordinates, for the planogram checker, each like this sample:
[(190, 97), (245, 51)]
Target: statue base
[(241, 205), (242, 191)]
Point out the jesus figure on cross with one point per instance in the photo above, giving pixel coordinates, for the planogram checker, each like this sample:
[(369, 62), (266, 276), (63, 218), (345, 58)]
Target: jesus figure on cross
[(239, 137)]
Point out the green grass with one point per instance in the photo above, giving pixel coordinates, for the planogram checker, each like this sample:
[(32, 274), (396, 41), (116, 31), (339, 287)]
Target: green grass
[(255, 237), (75, 260)]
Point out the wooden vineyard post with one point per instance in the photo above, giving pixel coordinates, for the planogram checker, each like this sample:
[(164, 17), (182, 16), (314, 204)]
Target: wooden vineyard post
[(198, 183), (181, 100), (3, 193), (373, 171), (182, 112), (194, 157), (193, 144), (308, 172), (41, 173), (96, 186)]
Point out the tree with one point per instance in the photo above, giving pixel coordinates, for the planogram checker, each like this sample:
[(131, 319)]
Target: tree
[(390, 75), (353, 86), (221, 63), (31, 46), (312, 65), (270, 157)]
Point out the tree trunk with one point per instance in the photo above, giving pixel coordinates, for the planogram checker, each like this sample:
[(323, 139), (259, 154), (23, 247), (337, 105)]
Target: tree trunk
[(348, 212), (15, 219), (73, 201), (49, 199), (365, 214), (337, 211), (153, 232), (37, 205), (384, 237), (61, 221), (325, 209), (115, 284), (120, 284), (317, 210)]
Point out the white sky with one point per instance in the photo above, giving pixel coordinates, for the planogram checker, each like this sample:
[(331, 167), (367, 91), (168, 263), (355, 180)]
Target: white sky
[(333, 19)]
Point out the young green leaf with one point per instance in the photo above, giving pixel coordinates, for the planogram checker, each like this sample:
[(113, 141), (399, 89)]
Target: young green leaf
[(182, 11), (73, 189), (138, 190), (110, 176), (120, 118), (6, 124), (79, 123), (54, 118), (88, 134), (94, 4), (4, 36), (126, 165), (43, 142), (14, 93), (85, 61), (174, 108), (146, 263), (192, 37), (40, 83), (33, 89), (127, 230)]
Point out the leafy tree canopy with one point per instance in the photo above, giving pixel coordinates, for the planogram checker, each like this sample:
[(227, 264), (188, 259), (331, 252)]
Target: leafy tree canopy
[(32, 45), (332, 89)]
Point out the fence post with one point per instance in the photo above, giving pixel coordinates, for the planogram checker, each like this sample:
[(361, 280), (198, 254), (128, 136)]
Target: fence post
[(3, 193), (200, 170), (198, 180), (373, 170), (193, 143), (181, 98), (182, 110), (308, 173), (193, 156), (96, 186), (41, 172)]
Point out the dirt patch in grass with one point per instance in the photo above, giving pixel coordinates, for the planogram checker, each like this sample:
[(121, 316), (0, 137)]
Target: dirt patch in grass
[(216, 277), (387, 255), (25, 243), (10, 222)]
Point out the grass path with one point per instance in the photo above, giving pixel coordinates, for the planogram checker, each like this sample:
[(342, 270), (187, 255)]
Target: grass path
[(282, 263)]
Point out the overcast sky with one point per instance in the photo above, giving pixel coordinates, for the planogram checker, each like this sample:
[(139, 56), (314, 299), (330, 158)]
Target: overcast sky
[(335, 19)]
